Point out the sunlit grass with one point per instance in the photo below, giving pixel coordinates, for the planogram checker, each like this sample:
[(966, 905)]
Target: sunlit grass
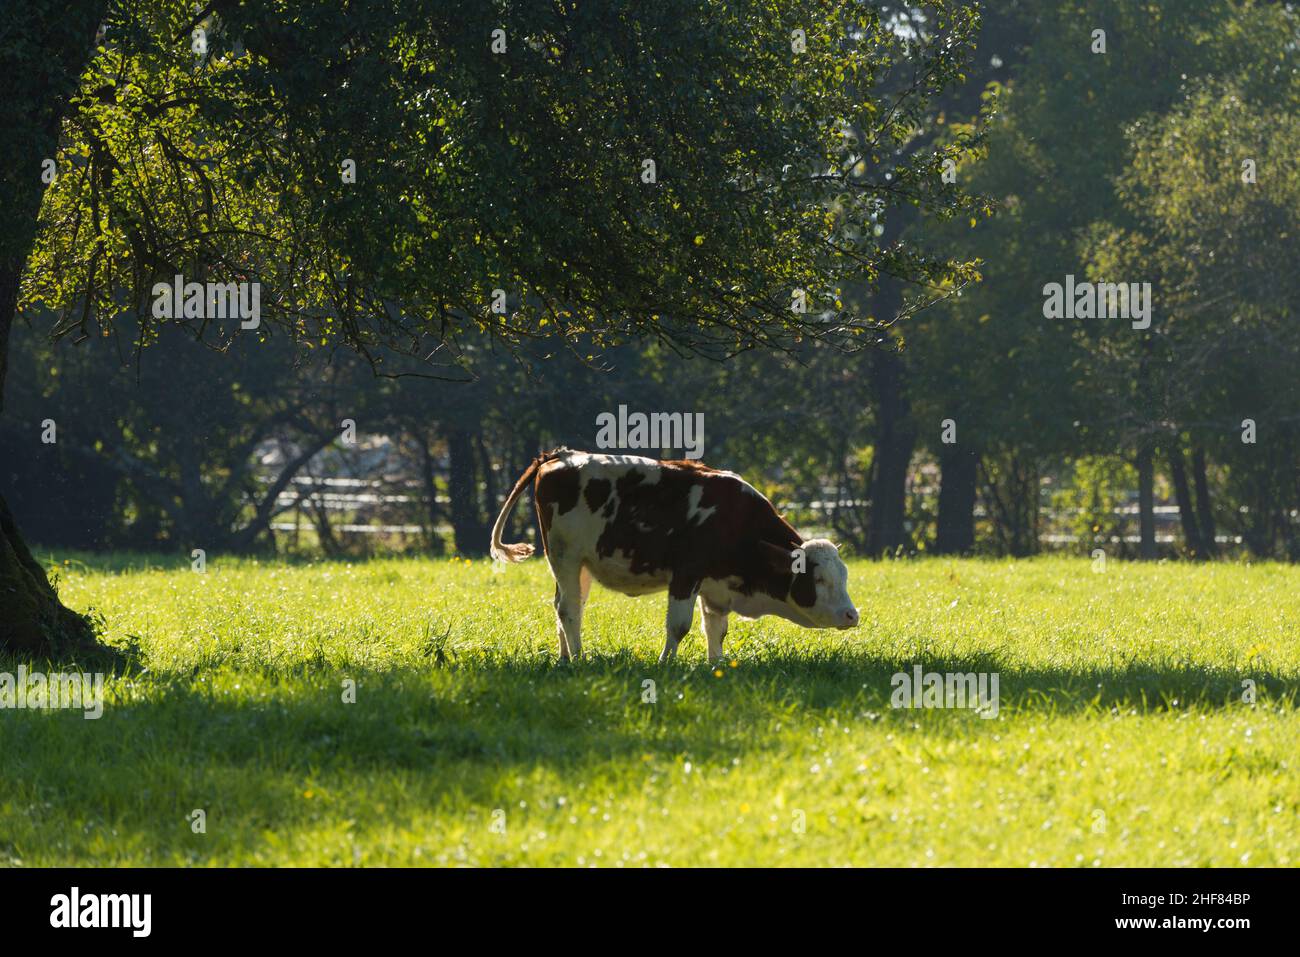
[(1122, 736)]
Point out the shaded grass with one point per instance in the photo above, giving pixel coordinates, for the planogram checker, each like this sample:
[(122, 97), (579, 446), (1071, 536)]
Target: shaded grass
[(1121, 738)]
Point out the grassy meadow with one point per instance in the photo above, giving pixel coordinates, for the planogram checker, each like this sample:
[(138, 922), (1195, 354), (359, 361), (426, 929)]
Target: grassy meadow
[(1121, 737)]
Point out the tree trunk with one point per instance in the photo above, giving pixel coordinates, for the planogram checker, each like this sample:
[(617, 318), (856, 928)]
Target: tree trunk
[(955, 534), (1183, 494), (32, 619), (895, 441), (320, 518), (1146, 503), (1204, 508), (265, 511), (490, 501), (428, 476), (33, 622), (1021, 511), (469, 531), (895, 437)]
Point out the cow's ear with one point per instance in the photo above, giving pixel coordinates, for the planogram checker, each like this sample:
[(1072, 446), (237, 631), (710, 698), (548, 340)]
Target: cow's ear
[(778, 567), (804, 587), (777, 561), (775, 558)]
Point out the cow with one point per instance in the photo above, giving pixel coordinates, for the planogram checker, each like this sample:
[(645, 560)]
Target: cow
[(640, 525)]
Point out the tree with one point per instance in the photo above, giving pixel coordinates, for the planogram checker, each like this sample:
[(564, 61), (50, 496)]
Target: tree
[(43, 51), (1072, 118), (957, 123), (1213, 191)]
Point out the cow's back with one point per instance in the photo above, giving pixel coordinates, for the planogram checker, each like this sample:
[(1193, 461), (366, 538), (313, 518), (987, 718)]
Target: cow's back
[(636, 523)]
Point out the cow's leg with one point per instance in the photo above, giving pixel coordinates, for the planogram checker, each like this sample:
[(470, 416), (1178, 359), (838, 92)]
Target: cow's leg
[(715, 627), (569, 597), (568, 613), (558, 604), (571, 615), (681, 611)]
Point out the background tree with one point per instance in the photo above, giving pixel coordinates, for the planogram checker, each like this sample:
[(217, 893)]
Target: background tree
[(1215, 195), (1040, 392)]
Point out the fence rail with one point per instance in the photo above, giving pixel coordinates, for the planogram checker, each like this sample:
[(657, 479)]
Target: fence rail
[(354, 495)]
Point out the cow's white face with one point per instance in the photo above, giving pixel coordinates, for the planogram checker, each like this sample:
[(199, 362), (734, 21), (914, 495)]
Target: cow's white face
[(832, 607)]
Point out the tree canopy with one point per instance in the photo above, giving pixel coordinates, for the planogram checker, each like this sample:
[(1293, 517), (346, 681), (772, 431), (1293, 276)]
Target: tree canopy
[(397, 175)]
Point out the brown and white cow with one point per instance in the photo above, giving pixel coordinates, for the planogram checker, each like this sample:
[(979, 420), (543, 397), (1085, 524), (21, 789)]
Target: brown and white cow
[(638, 525)]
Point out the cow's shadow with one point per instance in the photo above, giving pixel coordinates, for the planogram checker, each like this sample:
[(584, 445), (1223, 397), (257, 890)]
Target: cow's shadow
[(864, 683), (518, 710)]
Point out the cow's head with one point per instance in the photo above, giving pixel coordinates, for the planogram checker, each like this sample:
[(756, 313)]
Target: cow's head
[(820, 592)]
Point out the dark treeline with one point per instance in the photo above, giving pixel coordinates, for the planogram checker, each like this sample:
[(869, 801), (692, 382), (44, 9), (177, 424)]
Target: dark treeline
[(1124, 149), (257, 441)]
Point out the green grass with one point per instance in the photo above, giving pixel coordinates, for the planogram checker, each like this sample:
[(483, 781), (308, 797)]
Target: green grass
[(1122, 738)]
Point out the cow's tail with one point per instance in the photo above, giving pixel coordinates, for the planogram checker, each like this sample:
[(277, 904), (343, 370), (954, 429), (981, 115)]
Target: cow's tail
[(520, 550)]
